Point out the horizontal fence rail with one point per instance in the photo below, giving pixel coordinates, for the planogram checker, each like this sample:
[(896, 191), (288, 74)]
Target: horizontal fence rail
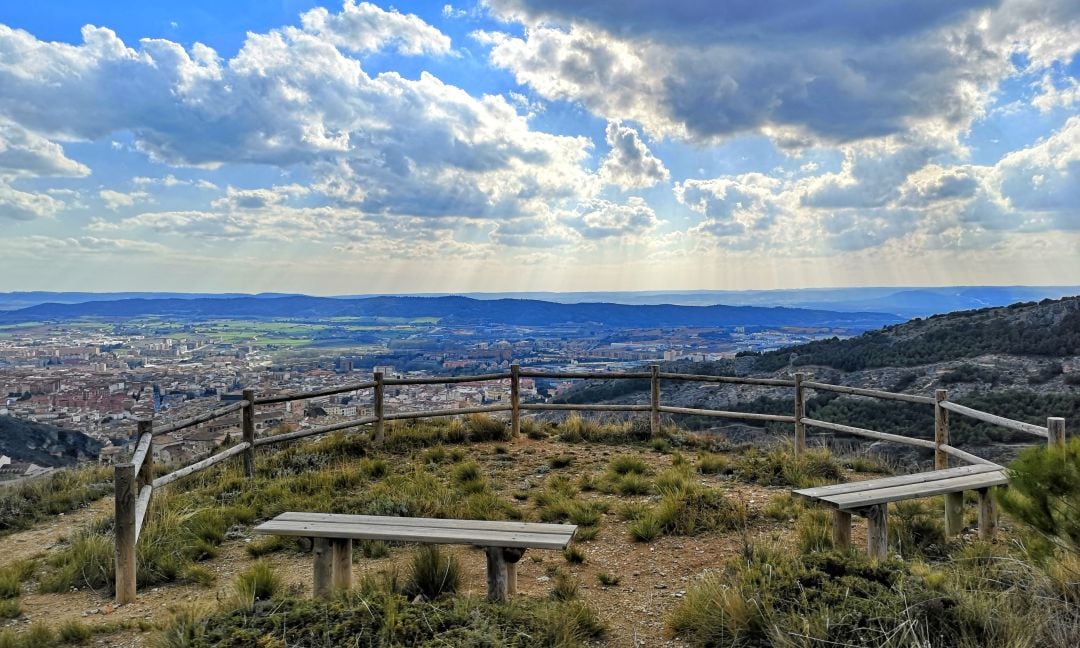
[(872, 393), (1001, 421), (135, 482), (203, 418), (330, 391)]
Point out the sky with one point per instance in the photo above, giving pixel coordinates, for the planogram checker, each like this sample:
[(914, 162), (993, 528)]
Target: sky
[(514, 145)]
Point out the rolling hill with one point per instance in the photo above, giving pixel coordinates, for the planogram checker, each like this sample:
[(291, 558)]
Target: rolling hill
[(454, 311)]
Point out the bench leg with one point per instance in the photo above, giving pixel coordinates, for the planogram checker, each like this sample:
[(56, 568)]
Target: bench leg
[(323, 567), (987, 515), (954, 514), (497, 574), (841, 529), (342, 554), (877, 536), (512, 556)]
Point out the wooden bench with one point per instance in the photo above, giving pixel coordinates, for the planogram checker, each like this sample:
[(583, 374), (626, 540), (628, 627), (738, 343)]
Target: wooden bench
[(333, 534), (871, 499)]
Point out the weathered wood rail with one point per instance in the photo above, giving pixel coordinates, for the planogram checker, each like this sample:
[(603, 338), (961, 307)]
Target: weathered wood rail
[(135, 481)]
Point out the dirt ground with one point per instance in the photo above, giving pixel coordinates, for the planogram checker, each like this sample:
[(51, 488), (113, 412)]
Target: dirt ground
[(653, 576)]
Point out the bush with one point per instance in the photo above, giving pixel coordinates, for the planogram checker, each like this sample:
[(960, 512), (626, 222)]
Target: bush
[(1044, 492), (814, 531), (73, 631), (627, 464), (485, 428), (62, 492), (259, 582), (781, 467), (432, 574), (380, 616), (645, 529), (713, 464)]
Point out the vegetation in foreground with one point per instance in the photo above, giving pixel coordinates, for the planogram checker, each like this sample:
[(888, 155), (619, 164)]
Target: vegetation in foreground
[(948, 592)]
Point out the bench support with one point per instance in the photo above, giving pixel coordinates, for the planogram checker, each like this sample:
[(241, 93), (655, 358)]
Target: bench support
[(502, 572), (954, 514), (987, 515), (841, 529), (323, 567), (877, 535), (341, 556)]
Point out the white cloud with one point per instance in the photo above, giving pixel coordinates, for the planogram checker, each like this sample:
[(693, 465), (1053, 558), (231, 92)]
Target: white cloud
[(23, 206), (115, 200), (365, 27), (801, 73), (604, 220), (630, 165)]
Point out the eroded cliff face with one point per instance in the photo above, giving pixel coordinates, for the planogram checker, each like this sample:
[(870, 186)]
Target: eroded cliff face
[(45, 445)]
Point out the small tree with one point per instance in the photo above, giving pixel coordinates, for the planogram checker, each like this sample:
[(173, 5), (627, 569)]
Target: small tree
[(1044, 492)]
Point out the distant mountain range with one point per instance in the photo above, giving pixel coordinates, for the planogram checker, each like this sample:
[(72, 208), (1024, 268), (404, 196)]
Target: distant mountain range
[(900, 301), (454, 311)]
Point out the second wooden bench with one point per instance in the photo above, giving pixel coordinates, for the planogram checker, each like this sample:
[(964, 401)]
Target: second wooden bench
[(871, 498)]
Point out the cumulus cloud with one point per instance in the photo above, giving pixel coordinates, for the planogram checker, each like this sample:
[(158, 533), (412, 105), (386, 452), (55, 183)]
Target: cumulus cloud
[(23, 206), (365, 27), (1044, 178), (23, 153), (802, 73), (604, 219), (630, 165), (292, 96)]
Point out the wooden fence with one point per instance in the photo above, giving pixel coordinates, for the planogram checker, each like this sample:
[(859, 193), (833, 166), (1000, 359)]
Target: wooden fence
[(135, 482)]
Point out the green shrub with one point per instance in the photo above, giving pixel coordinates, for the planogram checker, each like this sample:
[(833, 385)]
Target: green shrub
[(646, 528), (587, 533), (38, 635), (632, 484), (374, 549), (376, 468), (713, 464), (560, 461), (782, 508), (10, 609), (432, 574), (633, 510), (1044, 492), (672, 479), (198, 575), (814, 531), (88, 561), (259, 582), (74, 631), (574, 555), (267, 545), (565, 587), (62, 492), (781, 467), (608, 580), (627, 464), (916, 529), (10, 584), (485, 428)]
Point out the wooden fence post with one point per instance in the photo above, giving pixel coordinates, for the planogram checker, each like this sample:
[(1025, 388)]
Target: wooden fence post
[(515, 401), (654, 415), (800, 412), (380, 389), (1056, 427), (941, 430), (146, 471), (248, 430), (124, 529), (954, 502)]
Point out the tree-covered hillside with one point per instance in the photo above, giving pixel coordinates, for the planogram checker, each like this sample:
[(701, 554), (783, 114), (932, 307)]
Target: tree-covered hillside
[(1050, 328)]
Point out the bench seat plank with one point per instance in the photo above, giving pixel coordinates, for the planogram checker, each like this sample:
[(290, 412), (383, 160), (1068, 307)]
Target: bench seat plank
[(410, 533), (876, 496), (433, 523), (900, 480)]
